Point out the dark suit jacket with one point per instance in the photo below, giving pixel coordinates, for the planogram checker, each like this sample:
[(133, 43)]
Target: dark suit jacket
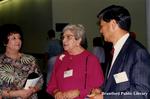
[(134, 60)]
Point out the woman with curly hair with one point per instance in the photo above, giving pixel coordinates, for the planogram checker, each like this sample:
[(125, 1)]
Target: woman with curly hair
[(16, 66)]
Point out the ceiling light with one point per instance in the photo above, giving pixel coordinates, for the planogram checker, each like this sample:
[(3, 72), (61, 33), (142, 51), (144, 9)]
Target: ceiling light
[(2, 1)]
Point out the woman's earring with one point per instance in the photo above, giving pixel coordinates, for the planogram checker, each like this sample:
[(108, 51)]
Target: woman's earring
[(5, 45)]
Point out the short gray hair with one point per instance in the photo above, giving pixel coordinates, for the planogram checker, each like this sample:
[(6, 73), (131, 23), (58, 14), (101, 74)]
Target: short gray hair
[(78, 31)]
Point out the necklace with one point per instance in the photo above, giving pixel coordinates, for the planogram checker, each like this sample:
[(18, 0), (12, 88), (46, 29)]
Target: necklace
[(13, 56)]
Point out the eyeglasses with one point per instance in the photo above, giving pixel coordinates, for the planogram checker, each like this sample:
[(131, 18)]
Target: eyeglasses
[(68, 37)]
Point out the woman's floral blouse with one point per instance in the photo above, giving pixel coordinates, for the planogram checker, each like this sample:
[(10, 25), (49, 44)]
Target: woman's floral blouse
[(14, 73)]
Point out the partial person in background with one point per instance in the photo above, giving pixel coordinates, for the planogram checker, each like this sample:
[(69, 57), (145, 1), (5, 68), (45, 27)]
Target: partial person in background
[(129, 72), (133, 35), (98, 51), (54, 48), (15, 66), (50, 64), (76, 71)]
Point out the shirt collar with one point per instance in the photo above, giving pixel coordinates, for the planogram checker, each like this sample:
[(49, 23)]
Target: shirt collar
[(121, 42)]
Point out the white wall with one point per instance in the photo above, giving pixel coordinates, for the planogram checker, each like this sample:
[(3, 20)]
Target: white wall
[(34, 16), (85, 11), (148, 23)]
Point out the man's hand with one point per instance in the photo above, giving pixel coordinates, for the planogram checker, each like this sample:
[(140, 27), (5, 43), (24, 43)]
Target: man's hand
[(96, 94)]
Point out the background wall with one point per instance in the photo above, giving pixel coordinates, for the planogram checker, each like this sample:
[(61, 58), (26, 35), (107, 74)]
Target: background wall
[(148, 23), (36, 17), (85, 12)]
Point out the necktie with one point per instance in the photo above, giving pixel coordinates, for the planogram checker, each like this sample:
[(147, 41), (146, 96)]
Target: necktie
[(111, 53), (110, 61)]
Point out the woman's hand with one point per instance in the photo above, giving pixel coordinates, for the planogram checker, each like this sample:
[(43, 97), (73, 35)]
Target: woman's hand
[(25, 93), (34, 89), (96, 91), (58, 95), (71, 94)]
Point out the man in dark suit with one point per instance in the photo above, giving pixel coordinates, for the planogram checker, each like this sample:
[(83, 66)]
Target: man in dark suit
[(129, 73)]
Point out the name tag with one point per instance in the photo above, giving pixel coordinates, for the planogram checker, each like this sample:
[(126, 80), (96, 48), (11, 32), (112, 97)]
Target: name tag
[(121, 77), (68, 73)]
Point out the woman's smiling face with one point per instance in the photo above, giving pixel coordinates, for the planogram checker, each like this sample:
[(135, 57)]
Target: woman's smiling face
[(14, 42)]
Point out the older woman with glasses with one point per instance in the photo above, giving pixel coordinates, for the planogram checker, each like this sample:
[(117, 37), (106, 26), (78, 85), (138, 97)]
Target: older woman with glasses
[(76, 71)]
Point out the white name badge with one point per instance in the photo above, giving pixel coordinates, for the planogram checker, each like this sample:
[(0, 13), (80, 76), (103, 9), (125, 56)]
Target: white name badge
[(68, 73), (121, 77)]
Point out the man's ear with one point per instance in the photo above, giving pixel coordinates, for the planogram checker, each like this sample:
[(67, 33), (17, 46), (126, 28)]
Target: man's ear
[(114, 24)]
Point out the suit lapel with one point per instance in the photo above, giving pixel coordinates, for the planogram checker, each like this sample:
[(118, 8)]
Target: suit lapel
[(117, 66)]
